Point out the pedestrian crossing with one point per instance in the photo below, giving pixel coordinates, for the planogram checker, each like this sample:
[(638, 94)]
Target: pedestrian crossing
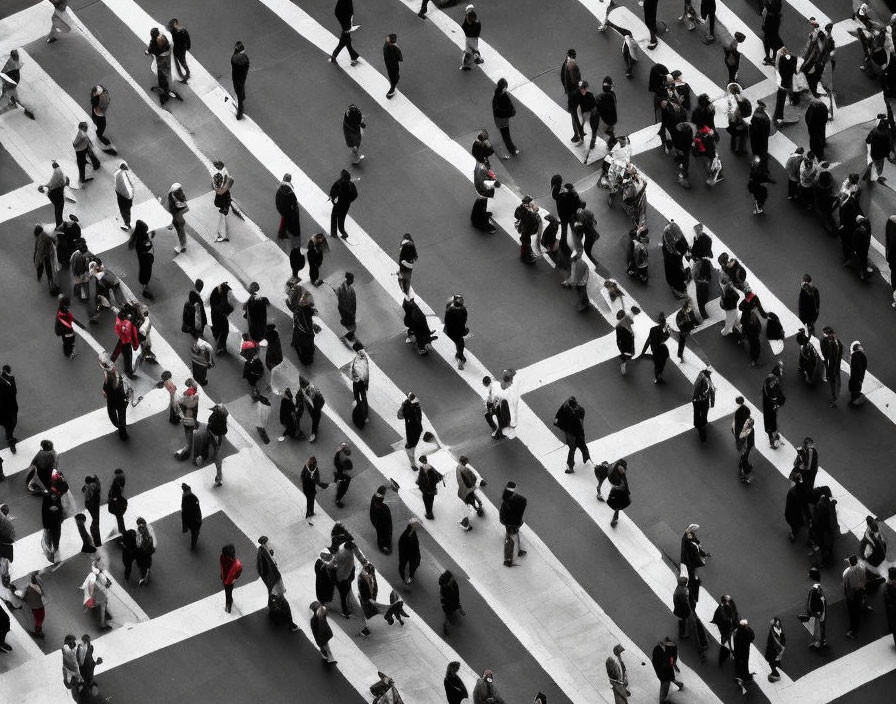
[(572, 672)]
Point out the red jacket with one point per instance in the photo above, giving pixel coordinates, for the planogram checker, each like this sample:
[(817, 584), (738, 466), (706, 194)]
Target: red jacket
[(231, 569), (127, 332)]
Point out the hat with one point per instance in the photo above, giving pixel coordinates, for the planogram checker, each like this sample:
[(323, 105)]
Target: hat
[(813, 21), (185, 486), (693, 527), (469, 8), (617, 649), (510, 485)]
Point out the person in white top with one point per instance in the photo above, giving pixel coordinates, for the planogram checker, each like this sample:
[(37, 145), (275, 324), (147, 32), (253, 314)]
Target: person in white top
[(96, 591), (124, 192)]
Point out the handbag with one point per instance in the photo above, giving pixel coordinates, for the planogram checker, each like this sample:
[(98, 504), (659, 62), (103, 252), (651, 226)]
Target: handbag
[(803, 618), (90, 603)]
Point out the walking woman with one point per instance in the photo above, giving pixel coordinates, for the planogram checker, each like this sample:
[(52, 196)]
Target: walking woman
[(146, 546), (726, 618), (141, 242), (774, 648), (117, 502), (231, 569), (51, 519), (455, 689), (656, 342), (310, 483), (33, 598), (320, 629), (502, 110), (456, 327), (65, 319), (96, 591)]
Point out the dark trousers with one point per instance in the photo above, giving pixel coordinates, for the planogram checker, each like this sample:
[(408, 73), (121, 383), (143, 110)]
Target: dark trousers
[(219, 333), (342, 487), (124, 207), (817, 142), (682, 340), (732, 70), (650, 18), (68, 344), (659, 361), (576, 442), (711, 21), (459, 348), (428, 500), (81, 157), (337, 220), (854, 605), (100, 122), (508, 142), (702, 297), (393, 79), (47, 265), (701, 413), (180, 63), (128, 561), (409, 565), (127, 354), (200, 373), (424, 5), (578, 129), (57, 198), (194, 537), (359, 391), (345, 41), (239, 90), (344, 587), (95, 526), (228, 596), (119, 520), (315, 414), (309, 503), (118, 416)]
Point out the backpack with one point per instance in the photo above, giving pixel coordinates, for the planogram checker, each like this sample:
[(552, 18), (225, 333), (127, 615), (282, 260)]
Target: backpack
[(744, 106)]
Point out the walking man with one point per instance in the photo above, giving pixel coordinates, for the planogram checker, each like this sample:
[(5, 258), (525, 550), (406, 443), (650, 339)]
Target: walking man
[(99, 103), (180, 37), (832, 353), (344, 11), (287, 205), (570, 77), (618, 676), (239, 71), (407, 258), (9, 408), (704, 398), (84, 150), (342, 194), (809, 304), (858, 365), (55, 190), (665, 664), (392, 57), (513, 506), (359, 372), (116, 396), (58, 22), (569, 419), (190, 514), (412, 415), (854, 582), (456, 327), (124, 193), (347, 305)]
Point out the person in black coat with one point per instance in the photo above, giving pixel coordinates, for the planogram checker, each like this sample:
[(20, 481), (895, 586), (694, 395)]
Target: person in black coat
[(287, 205), (796, 506), (344, 11), (324, 587), (9, 407), (412, 415), (858, 365), (703, 398), (726, 619), (664, 659), (409, 552), (502, 110), (190, 514), (456, 327), (455, 689), (881, 144), (418, 328), (449, 592), (817, 122), (381, 519), (513, 506), (656, 342), (743, 639), (392, 57), (568, 203), (772, 399), (809, 304), (569, 419), (861, 244), (221, 307), (342, 194), (239, 68), (760, 129)]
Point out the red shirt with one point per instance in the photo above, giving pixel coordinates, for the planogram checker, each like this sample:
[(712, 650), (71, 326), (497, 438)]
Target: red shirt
[(231, 569)]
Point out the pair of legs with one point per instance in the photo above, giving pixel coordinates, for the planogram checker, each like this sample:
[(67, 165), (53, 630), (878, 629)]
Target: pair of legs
[(511, 542), (575, 442), (337, 222), (81, 158)]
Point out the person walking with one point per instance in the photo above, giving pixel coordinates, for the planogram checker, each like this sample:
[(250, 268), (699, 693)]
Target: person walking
[(342, 464), (656, 342), (10, 78), (193, 315), (231, 569), (485, 691), (188, 403), (239, 72), (466, 491), (686, 320), (854, 584), (311, 481), (808, 304), (412, 415), (772, 399), (33, 598), (664, 659), (160, 49), (321, 631), (817, 122), (353, 127), (455, 689), (190, 514), (743, 639), (255, 311), (96, 588), (472, 28), (381, 519), (266, 565), (116, 502), (880, 143), (177, 206), (513, 506), (409, 552), (858, 365), (55, 190), (146, 547), (726, 619), (703, 398), (774, 648), (287, 205), (455, 328), (502, 110), (314, 403), (570, 420), (392, 57), (141, 241), (92, 496), (832, 354), (617, 675), (449, 593), (181, 44), (116, 395), (99, 104), (342, 194), (344, 11), (87, 664), (84, 150), (59, 24), (428, 478), (347, 305), (650, 20), (620, 496), (221, 307), (45, 258), (816, 609), (692, 556)]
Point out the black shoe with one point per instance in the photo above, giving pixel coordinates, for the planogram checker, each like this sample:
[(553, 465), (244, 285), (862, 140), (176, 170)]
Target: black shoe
[(263, 434)]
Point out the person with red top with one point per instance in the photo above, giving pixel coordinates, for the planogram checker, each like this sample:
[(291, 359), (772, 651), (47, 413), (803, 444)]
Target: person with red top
[(231, 569), (65, 319), (128, 343)]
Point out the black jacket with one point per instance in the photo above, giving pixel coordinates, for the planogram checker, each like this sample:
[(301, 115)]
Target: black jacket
[(809, 304), (502, 105), (569, 419), (190, 512), (409, 548), (513, 506), (344, 11)]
